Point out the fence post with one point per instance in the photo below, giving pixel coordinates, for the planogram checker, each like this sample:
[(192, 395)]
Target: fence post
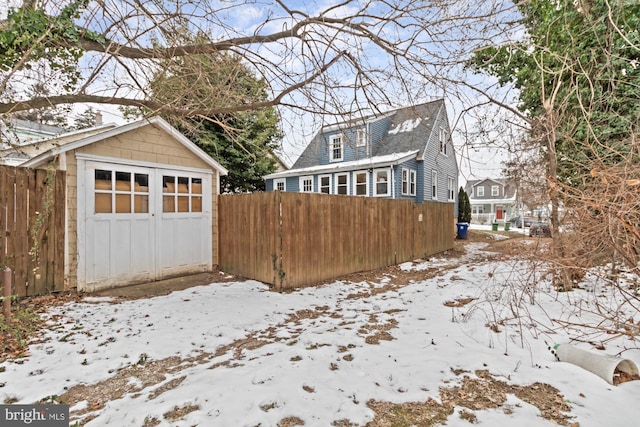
[(6, 293)]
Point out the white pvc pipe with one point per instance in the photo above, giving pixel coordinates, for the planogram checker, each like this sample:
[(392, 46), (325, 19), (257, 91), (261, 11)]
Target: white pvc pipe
[(603, 365)]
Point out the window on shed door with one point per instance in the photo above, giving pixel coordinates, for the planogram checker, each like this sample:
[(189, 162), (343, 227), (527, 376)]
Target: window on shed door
[(120, 192), (336, 149), (361, 184), (325, 184), (181, 194)]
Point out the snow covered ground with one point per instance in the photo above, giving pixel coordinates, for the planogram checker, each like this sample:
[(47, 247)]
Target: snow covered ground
[(237, 354)]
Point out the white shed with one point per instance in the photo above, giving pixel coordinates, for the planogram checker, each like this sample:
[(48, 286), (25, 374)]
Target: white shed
[(141, 203)]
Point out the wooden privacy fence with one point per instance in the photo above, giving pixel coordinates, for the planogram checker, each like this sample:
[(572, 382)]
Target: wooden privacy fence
[(295, 239), (32, 209)]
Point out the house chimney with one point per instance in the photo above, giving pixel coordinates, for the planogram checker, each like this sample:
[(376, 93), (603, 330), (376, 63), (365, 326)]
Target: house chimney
[(98, 118)]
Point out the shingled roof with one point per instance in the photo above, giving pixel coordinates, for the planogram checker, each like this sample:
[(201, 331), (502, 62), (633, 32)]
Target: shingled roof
[(409, 129)]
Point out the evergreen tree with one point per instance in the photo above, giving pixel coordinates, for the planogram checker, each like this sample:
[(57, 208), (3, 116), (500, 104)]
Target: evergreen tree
[(243, 142), (464, 206)]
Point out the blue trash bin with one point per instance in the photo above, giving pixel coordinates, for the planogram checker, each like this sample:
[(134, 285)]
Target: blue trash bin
[(462, 230)]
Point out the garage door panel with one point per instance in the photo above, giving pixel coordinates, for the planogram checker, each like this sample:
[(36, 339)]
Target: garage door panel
[(101, 251)]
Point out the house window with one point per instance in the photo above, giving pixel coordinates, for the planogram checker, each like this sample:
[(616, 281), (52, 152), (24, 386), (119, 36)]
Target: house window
[(325, 184), (451, 189), (361, 137), (480, 191), (336, 148), (443, 136), (342, 183), (434, 185), (477, 209), (306, 184), (381, 182), (361, 184), (279, 184), (181, 194), (408, 182), (121, 192), (495, 190)]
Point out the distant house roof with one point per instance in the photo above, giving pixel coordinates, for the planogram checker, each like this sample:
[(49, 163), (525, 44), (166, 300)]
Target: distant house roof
[(509, 188), (40, 153), (409, 130)]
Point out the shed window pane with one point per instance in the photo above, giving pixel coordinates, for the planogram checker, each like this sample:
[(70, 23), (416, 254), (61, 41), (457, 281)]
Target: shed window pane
[(123, 182), (103, 203), (196, 187), (141, 203), (168, 204), (123, 203), (102, 180), (183, 184), (196, 204)]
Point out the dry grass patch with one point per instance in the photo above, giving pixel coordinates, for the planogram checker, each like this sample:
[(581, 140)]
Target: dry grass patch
[(290, 422), (473, 394), (178, 412)]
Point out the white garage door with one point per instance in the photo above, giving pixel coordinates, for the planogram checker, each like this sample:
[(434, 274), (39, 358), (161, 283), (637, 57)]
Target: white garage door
[(142, 224)]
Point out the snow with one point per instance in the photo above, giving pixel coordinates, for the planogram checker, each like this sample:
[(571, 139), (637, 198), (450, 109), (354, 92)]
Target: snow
[(320, 367)]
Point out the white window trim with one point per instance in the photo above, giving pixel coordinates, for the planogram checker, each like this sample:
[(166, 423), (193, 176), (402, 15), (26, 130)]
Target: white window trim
[(375, 182), (355, 183), (335, 184), (301, 183), (497, 192), (330, 183), (480, 191), (282, 181), (332, 145), (411, 182), (434, 185), (451, 189), (362, 137), (443, 136)]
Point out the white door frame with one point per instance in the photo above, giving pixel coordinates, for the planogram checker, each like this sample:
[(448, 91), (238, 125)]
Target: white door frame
[(155, 172)]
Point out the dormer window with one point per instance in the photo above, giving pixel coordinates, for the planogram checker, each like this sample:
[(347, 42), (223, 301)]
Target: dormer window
[(361, 137), (336, 149)]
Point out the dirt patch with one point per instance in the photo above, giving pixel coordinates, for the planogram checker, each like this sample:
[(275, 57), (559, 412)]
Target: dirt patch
[(473, 394)]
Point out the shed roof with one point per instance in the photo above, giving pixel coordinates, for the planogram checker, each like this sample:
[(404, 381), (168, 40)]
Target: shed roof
[(45, 150)]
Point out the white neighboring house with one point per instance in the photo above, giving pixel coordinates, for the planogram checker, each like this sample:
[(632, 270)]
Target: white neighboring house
[(141, 200)]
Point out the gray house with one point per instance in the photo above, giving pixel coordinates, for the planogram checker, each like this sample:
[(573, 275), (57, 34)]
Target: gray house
[(492, 199), (402, 154)]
